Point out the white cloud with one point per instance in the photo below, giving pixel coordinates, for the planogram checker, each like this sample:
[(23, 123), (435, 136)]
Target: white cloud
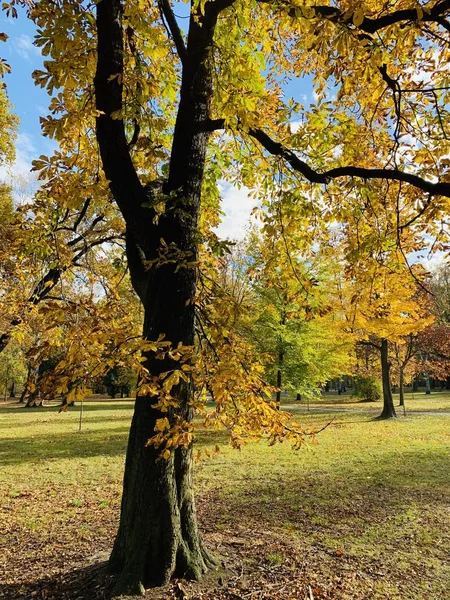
[(237, 206), (296, 125), (23, 45), (434, 261)]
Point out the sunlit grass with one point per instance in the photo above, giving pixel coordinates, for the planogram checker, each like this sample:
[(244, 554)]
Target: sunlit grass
[(376, 492)]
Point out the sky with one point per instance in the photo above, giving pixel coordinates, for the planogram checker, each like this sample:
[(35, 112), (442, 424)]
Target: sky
[(30, 102)]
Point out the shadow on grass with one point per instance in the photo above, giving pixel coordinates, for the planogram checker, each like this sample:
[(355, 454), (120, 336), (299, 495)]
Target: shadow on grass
[(350, 498), (88, 406), (76, 444), (88, 583), (87, 421)]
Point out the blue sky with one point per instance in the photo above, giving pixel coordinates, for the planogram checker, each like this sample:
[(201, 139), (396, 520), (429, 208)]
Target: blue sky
[(30, 102)]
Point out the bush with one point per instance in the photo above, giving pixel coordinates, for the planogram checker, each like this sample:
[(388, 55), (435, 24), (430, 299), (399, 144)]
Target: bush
[(368, 389)]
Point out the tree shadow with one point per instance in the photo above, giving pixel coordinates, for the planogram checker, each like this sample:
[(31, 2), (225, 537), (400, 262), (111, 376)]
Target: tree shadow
[(74, 444), (358, 499), (88, 406), (92, 582)]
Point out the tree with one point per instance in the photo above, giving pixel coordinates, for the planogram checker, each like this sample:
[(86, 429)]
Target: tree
[(155, 114), (12, 370), (295, 325), (384, 312)]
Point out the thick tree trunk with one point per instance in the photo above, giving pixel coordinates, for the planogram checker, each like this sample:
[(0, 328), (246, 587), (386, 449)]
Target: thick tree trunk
[(388, 402), (401, 389), (158, 535)]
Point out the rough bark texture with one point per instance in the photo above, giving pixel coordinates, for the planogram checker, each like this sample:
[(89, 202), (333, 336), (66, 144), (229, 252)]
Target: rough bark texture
[(388, 402), (158, 535)]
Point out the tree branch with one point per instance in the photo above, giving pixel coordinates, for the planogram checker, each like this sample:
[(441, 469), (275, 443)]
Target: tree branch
[(369, 25), (117, 163), (175, 32), (368, 343), (82, 214), (277, 149)]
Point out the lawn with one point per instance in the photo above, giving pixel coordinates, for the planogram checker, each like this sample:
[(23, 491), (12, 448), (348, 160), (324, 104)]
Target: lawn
[(361, 514), (438, 401)]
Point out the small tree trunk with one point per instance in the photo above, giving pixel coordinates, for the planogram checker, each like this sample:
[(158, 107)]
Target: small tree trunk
[(279, 376), (299, 397), (22, 395), (401, 389), (12, 391), (34, 400), (388, 402), (427, 384)]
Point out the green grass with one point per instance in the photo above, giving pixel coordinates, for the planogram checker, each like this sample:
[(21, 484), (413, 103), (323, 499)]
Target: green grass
[(437, 401), (370, 497)]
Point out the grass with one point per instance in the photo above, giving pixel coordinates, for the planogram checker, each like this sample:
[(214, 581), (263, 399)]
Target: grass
[(362, 514), (438, 401)]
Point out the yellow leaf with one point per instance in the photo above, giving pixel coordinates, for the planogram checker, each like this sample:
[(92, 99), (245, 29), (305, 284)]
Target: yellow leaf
[(358, 17), (162, 424)]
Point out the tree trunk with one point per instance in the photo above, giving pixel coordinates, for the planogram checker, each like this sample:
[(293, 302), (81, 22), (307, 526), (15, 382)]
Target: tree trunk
[(388, 402), (299, 397), (427, 384), (34, 400), (158, 536), (401, 389), (12, 391), (279, 377)]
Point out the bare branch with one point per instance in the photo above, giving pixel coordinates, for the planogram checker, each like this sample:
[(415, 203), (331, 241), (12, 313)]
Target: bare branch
[(82, 213), (175, 32)]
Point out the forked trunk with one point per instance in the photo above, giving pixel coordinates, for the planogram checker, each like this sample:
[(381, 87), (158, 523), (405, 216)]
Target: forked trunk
[(158, 536), (388, 402)]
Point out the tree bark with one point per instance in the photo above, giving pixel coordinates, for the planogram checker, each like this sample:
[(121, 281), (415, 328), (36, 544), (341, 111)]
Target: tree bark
[(388, 402), (158, 536), (12, 391), (427, 384)]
